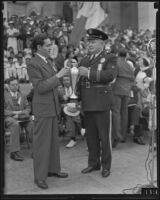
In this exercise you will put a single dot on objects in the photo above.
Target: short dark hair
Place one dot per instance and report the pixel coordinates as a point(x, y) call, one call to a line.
point(122, 52)
point(145, 62)
point(38, 40)
point(62, 47)
point(12, 78)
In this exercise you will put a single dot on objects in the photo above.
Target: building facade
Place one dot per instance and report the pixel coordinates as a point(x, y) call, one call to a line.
point(139, 15)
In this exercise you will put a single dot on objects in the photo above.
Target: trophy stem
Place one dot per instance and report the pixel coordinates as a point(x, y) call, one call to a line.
point(73, 96)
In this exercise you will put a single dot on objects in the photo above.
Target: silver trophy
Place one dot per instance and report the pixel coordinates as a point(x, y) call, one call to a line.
point(74, 78)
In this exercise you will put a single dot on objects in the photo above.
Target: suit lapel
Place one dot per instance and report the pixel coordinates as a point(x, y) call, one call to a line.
point(45, 65)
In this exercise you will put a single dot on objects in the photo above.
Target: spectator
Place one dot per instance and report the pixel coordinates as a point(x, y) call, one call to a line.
point(19, 66)
point(70, 61)
point(61, 57)
point(121, 90)
point(135, 117)
point(72, 121)
point(54, 49)
point(15, 105)
point(12, 34)
point(11, 67)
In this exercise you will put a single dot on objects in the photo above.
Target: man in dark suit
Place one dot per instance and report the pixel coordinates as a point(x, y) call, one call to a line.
point(45, 105)
point(97, 71)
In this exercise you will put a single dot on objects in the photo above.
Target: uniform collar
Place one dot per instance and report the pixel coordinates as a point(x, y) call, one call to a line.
point(97, 54)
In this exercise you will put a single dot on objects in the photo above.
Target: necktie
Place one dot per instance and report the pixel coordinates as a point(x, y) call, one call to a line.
point(51, 64)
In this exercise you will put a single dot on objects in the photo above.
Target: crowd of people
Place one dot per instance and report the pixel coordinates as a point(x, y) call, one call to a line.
point(20, 31)
point(128, 44)
point(115, 69)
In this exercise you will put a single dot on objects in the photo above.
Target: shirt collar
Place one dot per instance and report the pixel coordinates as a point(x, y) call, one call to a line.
point(42, 57)
point(14, 94)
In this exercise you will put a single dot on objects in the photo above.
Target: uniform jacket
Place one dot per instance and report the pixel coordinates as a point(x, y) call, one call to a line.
point(125, 78)
point(96, 92)
point(45, 99)
point(9, 107)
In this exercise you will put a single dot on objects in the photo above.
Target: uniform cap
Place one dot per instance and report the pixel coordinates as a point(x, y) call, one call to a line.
point(94, 34)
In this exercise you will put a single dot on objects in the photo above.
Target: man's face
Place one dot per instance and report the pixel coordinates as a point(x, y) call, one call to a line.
point(20, 60)
point(11, 26)
point(28, 61)
point(10, 61)
point(46, 48)
point(140, 62)
point(94, 46)
point(13, 86)
point(66, 81)
point(64, 50)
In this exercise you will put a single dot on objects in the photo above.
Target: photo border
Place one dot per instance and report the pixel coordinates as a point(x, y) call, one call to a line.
point(77, 196)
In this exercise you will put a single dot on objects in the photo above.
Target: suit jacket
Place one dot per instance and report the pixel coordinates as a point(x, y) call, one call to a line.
point(125, 78)
point(9, 107)
point(96, 92)
point(45, 99)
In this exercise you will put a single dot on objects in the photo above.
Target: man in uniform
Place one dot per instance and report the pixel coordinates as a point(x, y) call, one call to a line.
point(97, 70)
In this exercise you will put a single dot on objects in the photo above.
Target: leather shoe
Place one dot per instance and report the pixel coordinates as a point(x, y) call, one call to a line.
point(90, 169)
point(15, 156)
point(59, 175)
point(138, 140)
point(41, 184)
point(105, 173)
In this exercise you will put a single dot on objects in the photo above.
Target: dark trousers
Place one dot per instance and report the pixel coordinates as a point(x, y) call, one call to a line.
point(46, 147)
point(134, 119)
point(120, 116)
point(98, 134)
point(73, 125)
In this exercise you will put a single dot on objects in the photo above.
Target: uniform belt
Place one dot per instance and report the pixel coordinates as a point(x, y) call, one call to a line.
point(96, 85)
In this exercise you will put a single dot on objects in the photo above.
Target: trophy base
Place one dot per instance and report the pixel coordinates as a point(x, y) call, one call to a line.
point(73, 96)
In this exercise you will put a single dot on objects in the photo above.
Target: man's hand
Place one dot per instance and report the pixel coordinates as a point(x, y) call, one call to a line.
point(65, 97)
point(64, 71)
point(83, 71)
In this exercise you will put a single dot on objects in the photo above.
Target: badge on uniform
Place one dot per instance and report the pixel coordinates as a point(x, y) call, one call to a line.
point(102, 60)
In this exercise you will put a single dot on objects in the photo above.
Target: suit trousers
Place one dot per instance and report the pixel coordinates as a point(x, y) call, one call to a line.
point(46, 147)
point(120, 116)
point(98, 134)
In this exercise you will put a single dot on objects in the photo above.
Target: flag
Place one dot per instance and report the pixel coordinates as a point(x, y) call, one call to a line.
point(90, 15)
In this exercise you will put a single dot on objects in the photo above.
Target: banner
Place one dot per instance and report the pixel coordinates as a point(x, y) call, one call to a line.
point(90, 15)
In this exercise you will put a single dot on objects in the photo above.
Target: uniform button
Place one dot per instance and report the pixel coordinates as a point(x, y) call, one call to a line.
point(105, 91)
